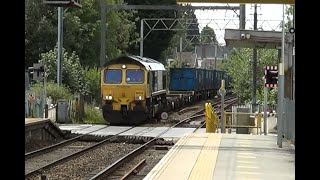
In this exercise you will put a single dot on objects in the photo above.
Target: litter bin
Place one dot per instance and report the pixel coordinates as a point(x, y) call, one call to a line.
point(62, 115)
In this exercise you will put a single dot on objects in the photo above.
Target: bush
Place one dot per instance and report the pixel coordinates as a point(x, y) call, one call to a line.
point(92, 115)
point(92, 76)
point(53, 90)
point(72, 75)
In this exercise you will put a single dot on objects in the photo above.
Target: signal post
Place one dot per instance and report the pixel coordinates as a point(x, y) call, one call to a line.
point(270, 81)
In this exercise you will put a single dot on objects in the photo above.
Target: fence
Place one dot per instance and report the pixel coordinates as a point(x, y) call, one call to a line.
point(33, 104)
point(76, 109)
point(243, 120)
point(34, 107)
point(52, 113)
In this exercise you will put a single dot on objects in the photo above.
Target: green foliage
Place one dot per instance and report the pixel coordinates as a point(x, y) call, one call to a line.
point(157, 41)
point(208, 35)
point(289, 14)
point(92, 115)
point(40, 29)
point(121, 31)
point(189, 37)
point(239, 66)
point(179, 64)
point(81, 31)
point(272, 97)
point(72, 74)
point(92, 76)
point(53, 90)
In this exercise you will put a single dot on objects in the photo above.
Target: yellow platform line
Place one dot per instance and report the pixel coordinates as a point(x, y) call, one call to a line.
point(158, 168)
point(182, 164)
point(204, 167)
point(178, 163)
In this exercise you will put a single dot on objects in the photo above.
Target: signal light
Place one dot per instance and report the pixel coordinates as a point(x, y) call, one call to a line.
point(271, 76)
point(37, 72)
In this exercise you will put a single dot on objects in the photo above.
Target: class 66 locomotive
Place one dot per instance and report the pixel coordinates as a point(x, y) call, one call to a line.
point(133, 89)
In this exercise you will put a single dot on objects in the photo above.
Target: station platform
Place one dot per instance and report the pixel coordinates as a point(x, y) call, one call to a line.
point(41, 129)
point(32, 121)
point(214, 156)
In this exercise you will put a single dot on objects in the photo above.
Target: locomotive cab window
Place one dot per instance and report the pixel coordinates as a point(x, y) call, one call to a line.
point(112, 76)
point(134, 76)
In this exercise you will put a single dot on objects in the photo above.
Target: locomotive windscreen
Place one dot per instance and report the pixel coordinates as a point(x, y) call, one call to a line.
point(112, 76)
point(134, 76)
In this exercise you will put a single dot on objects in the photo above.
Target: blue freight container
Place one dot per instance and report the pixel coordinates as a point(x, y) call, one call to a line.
point(184, 79)
point(194, 79)
point(218, 77)
point(201, 79)
point(207, 79)
point(211, 79)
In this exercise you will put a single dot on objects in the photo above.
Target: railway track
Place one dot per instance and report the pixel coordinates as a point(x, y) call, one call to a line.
point(130, 170)
point(45, 161)
point(56, 146)
point(115, 171)
point(40, 161)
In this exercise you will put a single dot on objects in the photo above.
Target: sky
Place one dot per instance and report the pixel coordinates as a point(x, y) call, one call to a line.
point(269, 18)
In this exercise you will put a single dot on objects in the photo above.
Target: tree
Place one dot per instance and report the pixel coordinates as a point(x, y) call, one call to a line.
point(189, 36)
point(81, 31)
point(289, 14)
point(238, 66)
point(193, 28)
point(92, 78)
point(179, 64)
point(40, 31)
point(208, 36)
point(72, 75)
point(157, 41)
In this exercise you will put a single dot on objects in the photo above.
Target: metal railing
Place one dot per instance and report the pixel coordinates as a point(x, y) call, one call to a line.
point(253, 121)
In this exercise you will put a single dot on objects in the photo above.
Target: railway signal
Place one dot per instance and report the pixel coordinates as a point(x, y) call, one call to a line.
point(37, 72)
point(270, 81)
point(271, 76)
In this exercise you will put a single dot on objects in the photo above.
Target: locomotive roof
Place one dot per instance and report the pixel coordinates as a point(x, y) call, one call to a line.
point(148, 63)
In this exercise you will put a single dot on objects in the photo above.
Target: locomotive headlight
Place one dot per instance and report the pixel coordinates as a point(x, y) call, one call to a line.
point(123, 66)
point(109, 97)
point(139, 97)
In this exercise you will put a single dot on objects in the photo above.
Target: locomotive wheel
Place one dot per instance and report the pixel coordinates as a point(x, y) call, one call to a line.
point(164, 115)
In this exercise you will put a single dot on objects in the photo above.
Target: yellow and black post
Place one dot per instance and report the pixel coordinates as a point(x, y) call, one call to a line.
point(211, 119)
